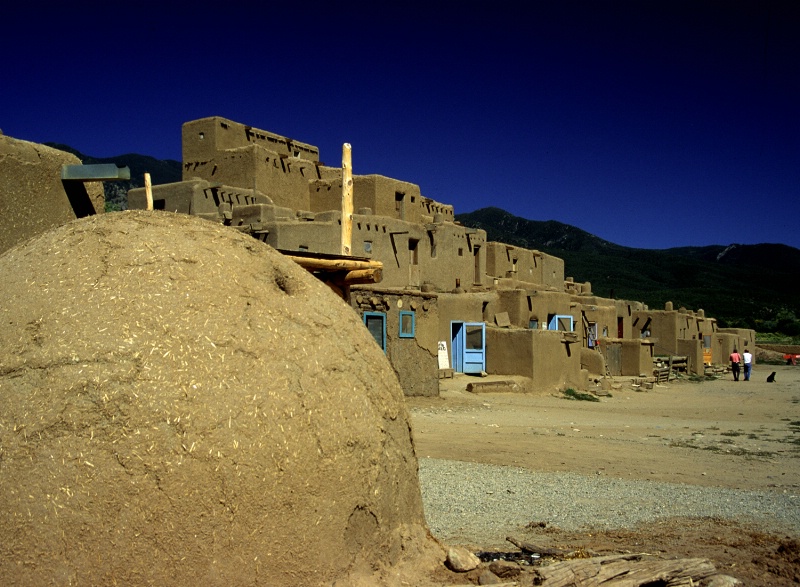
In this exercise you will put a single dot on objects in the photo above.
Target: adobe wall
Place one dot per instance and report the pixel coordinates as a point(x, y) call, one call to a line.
point(524, 265)
point(604, 315)
point(544, 303)
point(284, 180)
point(442, 255)
point(593, 361)
point(637, 357)
point(745, 337)
point(693, 325)
point(556, 363)
point(383, 196)
point(577, 288)
point(463, 307)
point(524, 305)
point(515, 303)
point(33, 199)
point(504, 260)
point(196, 197)
point(202, 139)
point(726, 339)
point(289, 172)
point(705, 326)
point(625, 311)
point(668, 327)
point(388, 197)
point(326, 194)
point(320, 234)
point(663, 328)
point(693, 351)
point(541, 356)
point(413, 358)
point(722, 346)
point(552, 271)
point(509, 351)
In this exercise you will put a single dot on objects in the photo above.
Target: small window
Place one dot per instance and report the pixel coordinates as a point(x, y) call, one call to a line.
point(376, 324)
point(533, 324)
point(560, 322)
point(367, 246)
point(474, 337)
point(407, 324)
point(413, 251)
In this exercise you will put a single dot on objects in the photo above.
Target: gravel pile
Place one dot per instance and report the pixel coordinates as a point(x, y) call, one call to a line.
point(472, 503)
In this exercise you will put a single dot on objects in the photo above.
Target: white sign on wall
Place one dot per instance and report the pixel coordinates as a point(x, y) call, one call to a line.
point(444, 361)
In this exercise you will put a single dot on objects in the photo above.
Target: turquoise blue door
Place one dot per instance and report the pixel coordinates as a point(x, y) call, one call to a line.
point(468, 344)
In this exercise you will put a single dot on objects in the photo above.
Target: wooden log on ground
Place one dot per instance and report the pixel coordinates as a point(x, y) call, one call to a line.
point(537, 548)
point(622, 572)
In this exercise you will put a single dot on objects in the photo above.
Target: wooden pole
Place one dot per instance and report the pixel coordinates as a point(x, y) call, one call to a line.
point(363, 276)
point(347, 200)
point(148, 191)
point(313, 264)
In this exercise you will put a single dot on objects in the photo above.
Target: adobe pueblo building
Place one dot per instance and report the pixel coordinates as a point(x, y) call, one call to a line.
point(436, 296)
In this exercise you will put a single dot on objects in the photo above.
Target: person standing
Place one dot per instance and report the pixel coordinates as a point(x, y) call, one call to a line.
point(736, 359)
point(747, 359)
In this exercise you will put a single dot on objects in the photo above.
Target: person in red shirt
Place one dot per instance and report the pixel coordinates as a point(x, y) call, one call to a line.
point(736, 359)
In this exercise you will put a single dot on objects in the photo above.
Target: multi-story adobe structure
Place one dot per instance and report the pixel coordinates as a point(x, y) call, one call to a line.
point(447, 299)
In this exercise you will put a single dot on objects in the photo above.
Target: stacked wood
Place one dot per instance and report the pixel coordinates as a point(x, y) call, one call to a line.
point(661, 374)
point(340, 273)
point(679, 363)
point(663, 367)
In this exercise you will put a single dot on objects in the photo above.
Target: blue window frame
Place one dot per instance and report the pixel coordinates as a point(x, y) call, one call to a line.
point(561, 322)
point(407, 324)
point(376, 324)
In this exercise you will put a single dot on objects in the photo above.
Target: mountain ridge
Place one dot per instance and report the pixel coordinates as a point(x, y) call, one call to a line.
point(748, 286)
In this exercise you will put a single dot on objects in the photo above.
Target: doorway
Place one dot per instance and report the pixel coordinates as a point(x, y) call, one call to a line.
point(468, 344)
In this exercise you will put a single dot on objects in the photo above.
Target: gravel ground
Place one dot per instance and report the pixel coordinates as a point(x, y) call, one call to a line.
point(477, 504)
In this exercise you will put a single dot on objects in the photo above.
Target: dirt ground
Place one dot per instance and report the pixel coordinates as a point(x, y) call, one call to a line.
point(717, 433)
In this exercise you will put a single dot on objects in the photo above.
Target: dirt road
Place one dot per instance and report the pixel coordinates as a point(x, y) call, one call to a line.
point(720, 433)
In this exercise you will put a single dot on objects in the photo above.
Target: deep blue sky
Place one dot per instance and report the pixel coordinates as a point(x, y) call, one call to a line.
point(650, 124)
